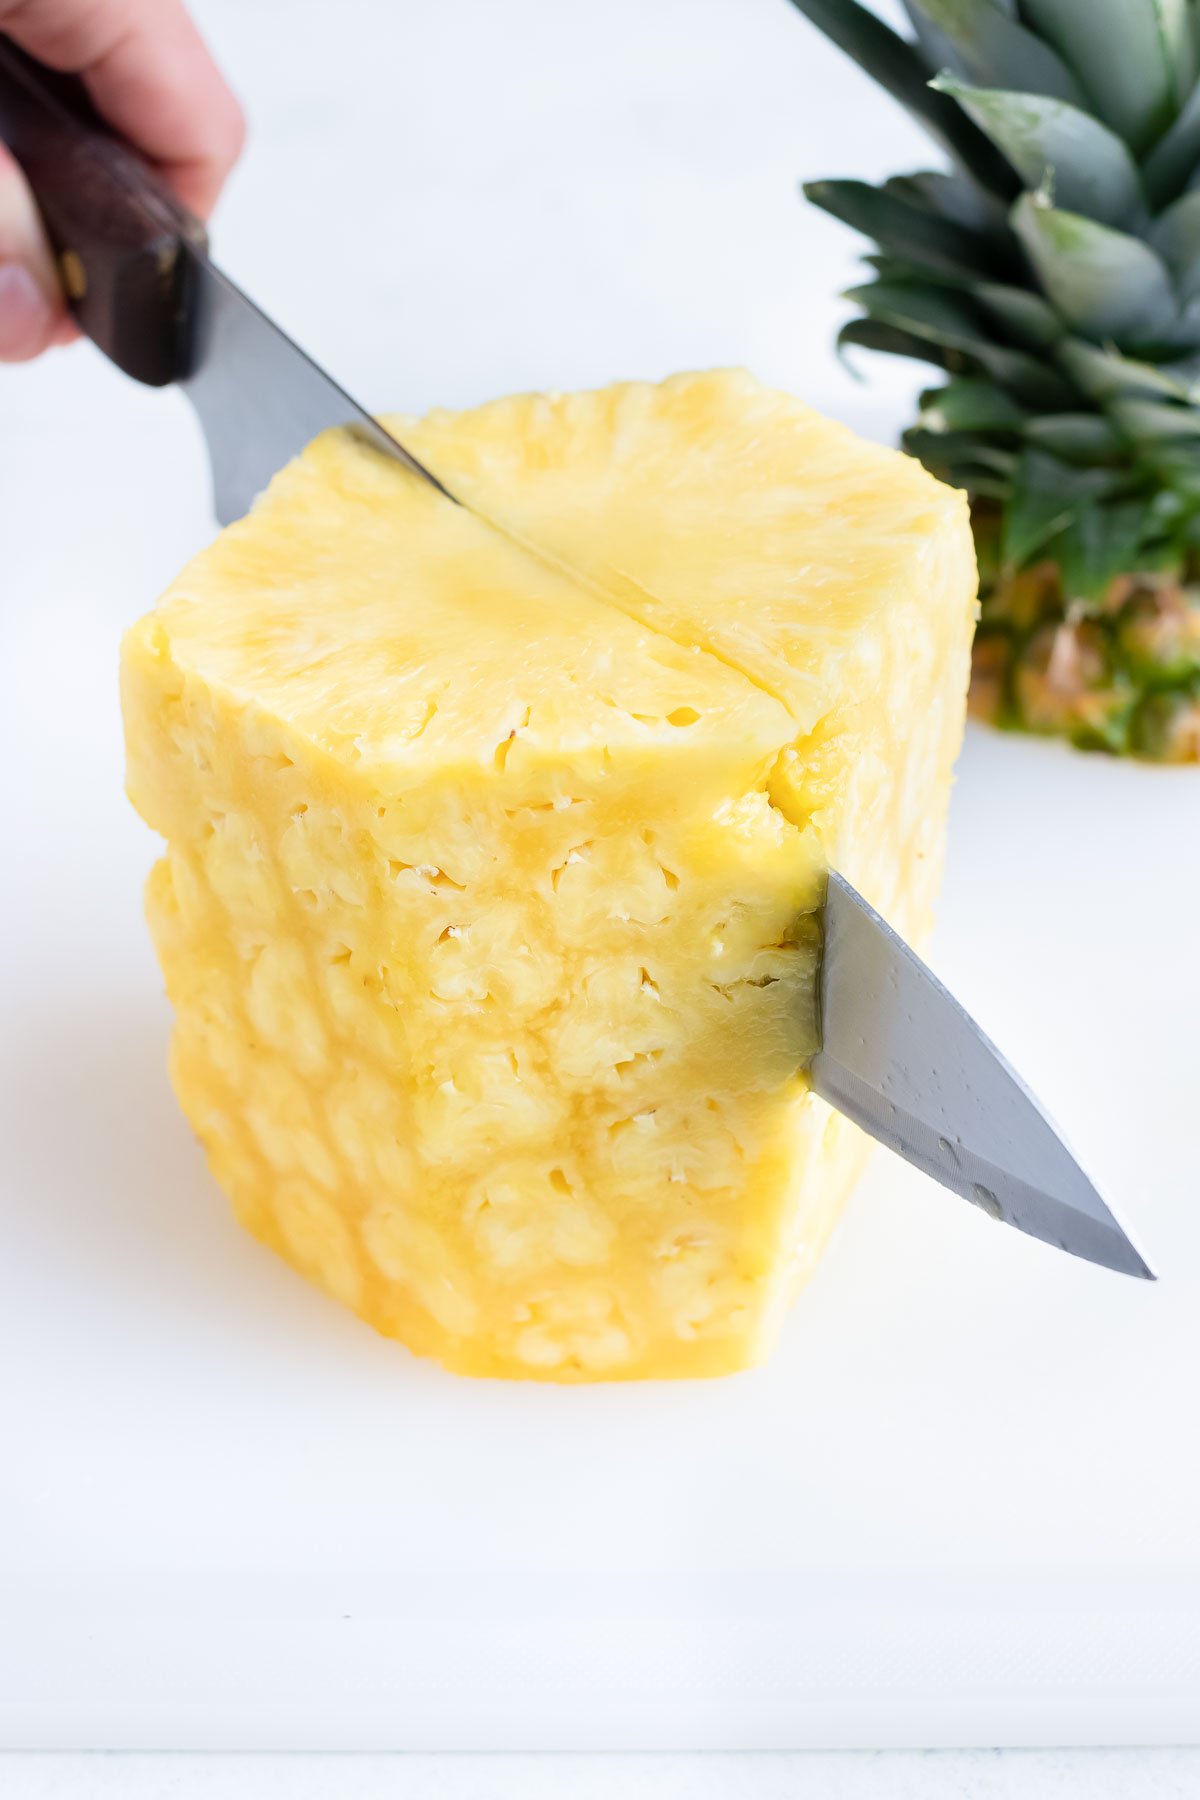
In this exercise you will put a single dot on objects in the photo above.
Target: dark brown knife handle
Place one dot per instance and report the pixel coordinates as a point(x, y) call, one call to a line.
point(124, 243)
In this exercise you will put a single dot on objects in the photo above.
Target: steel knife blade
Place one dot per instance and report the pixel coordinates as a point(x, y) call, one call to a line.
point(901, 1057)
point(260, 399)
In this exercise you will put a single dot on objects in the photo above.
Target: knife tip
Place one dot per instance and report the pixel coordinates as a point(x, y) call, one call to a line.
point(1128, 1261)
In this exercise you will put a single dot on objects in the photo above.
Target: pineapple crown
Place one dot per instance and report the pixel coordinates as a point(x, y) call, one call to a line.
point(1053, 272)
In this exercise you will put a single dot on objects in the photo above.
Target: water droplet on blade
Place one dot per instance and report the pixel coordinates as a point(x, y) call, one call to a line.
point(986, 1201)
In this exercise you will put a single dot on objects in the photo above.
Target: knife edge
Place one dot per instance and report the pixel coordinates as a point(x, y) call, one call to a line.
point(903, 1059)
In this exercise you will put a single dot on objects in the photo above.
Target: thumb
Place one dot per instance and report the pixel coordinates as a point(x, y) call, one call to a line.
point(31, 306)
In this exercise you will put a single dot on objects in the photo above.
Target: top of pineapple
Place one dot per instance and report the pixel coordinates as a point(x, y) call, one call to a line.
point(711, 558)
point(1053, 273)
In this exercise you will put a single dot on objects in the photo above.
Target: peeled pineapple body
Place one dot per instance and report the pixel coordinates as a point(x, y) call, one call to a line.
point(490, 907)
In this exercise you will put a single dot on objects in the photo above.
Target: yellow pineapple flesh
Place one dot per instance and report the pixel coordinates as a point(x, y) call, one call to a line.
point(496, 842)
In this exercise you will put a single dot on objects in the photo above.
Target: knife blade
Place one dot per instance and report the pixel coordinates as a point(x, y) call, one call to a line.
point(901, 1057)
point(260, 399)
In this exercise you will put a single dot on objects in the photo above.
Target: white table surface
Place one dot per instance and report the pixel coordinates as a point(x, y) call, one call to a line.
point(446, 202)
point(1168, 1774)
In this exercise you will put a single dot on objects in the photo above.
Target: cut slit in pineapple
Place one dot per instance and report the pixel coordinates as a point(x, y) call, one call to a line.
point(488, 909)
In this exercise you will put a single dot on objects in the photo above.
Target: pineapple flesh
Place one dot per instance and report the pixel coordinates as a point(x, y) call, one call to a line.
point(490, 908)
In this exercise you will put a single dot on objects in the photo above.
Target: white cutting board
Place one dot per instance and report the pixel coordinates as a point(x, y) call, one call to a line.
point(962, 1505)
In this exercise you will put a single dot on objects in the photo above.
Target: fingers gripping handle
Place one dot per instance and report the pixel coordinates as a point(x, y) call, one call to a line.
point(123, 243)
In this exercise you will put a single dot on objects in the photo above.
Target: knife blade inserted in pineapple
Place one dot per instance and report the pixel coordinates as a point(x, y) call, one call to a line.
point(901, 1057)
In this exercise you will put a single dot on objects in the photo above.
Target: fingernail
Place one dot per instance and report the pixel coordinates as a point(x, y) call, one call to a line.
point(26, 317)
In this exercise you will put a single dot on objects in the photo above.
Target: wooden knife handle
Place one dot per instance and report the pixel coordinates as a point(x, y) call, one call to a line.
point(124, 243)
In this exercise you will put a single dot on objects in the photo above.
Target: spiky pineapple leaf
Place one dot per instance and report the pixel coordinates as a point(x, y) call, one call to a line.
point(1104, 375)
point(921, 307)
point(1086, 439)
point(1029, 381)
point(938, 48)
point(956, 197)
point(946, 319)
point(996, 51)
point(910, 233)
point(899, 68)
point(1103, 282)
point(1156, 421)
point(1177, 466)
point(970, 403)
point(1181, 31)
point(1176, 236)
point(952, 450)
point(890, 268)
point(957, 466)
point(1031, 520)
point(1128, 56)
point(1023, 316)
point(1048, 142)
point(1169, 167)
point(1100, 543)
point(1046, 495)
point(876, 334)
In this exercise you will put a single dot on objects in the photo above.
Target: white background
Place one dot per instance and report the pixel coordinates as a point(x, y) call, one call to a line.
point(960, 1506)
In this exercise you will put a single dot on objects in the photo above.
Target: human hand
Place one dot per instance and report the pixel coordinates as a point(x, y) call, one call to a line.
point(150, 75)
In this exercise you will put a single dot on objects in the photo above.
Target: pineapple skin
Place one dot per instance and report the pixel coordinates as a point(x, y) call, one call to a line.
point(490, 906)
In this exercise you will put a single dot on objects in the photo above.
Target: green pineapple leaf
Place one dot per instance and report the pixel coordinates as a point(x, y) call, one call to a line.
point(1135, 59)
point(1051, 144)
point(898, 67)
point(1176, 236)
point(1100, 543)
point(1046, 495)
point(970, 403)
point(1172, 162)
point(890, 268)
point(1177, 466)
point(1104, 283)
point(1155, 421)
point(1103, 375)
point(956, 448)
point(994, 50)
point(876, 334)
point(1085, 439)
point(904, 231)
point(942, 318)
point(1023, 317)
point(984, 471)
point(956, 197)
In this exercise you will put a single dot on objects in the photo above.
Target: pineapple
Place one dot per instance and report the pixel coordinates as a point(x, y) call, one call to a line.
point(490, 909)
point(1054, 276)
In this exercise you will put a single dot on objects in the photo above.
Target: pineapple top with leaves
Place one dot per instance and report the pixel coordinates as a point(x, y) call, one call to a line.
point(1053, 273)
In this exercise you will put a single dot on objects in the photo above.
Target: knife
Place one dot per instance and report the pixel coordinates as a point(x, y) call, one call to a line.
point(899, 1056)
